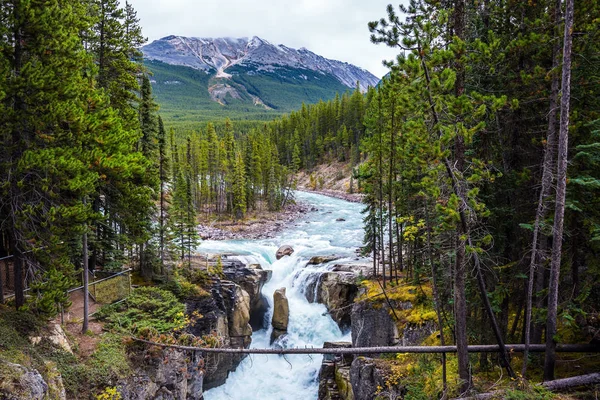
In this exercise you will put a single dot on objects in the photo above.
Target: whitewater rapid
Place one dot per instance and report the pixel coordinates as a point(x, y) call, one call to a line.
point(294, 377)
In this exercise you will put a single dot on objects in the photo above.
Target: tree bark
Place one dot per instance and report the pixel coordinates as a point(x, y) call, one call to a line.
point(561, 191)
point(542, 207)
point(86, 289)
point(460, 297)
point(391, 191)
point(436, 299)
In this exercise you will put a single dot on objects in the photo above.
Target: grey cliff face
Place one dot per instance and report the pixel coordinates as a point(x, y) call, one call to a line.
point(218, 54)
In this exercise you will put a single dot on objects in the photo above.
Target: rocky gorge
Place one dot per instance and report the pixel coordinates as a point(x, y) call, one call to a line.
point(305, 287)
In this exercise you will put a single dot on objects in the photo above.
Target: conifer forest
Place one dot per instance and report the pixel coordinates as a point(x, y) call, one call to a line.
point(476, 162)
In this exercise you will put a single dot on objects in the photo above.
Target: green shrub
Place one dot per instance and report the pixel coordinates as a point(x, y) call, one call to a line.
point(109, 362)
point(146, 307)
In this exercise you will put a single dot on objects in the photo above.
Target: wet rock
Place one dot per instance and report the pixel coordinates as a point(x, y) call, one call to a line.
point(373, 326)
point(225, 315)
point(281, 314)
point(337, 290)
point(316, 260)
point(340, 220)
point(334, 375)
point(361, 270)
point(367, 377)
point(252, 278)
point(285, 250)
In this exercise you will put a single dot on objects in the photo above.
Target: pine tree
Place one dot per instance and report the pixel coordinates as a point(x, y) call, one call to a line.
point(239, 188)
point(47, 133)
point(163, 174)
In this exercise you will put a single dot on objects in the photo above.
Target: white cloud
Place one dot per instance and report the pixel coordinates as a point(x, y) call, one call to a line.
point(335, 29)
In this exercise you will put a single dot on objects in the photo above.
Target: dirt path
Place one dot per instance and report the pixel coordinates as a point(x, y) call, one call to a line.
point(75, 312)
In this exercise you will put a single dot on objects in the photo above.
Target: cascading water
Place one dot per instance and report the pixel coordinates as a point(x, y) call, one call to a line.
point(293, 377)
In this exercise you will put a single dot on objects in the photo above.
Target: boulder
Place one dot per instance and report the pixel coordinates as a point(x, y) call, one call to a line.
point(285, 250)
point(281, 314)
point(361, 270)
point(413, 335)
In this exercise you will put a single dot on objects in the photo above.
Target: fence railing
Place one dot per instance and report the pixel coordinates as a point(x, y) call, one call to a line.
point(107, 290)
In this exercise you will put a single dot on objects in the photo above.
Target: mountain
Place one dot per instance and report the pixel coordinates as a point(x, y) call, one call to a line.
point(206, 78)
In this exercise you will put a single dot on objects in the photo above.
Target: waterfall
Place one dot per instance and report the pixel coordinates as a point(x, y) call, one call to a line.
point(318, 233)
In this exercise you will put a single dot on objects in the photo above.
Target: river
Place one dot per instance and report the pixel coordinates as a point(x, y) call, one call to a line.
point(294, 377)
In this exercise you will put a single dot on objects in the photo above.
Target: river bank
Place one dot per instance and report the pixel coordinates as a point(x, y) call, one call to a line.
point(256, 225)
point(267, 224)
point(338, 194)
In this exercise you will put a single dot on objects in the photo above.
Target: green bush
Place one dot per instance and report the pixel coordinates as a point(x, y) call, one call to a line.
point(146, 307)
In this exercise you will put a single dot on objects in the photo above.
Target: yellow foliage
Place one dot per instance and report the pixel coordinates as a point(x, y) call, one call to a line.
point(110, 393)
point(420, 314)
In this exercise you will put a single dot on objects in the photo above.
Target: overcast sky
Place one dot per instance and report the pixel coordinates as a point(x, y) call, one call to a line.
point(335, 29)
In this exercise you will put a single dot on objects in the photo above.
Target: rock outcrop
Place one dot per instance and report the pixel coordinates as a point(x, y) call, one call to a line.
point(359, 269)
point(225, 317)
point(169, 374)
point(369, 380)
point(413, 335)
point(281, 314)
point(251, 278)
point(20, 383)
point(56, 336)
point(334, 375)
point(336, 290)
point(372, 325)
point(285, 250)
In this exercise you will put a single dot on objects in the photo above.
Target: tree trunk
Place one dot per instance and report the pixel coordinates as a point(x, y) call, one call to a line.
point(436, 298)
point(460, 297)
point(86, 293)
point(380, 178)
point(391, 193)
point(542, 207)
point(561, 192)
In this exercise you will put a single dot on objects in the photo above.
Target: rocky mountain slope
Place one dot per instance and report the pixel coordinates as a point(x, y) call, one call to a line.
point(220, 54)
point(243, 75)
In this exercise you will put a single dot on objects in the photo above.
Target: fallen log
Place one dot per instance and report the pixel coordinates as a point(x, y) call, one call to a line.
point(556, 385)
point(517, 348)
point(575, 381)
